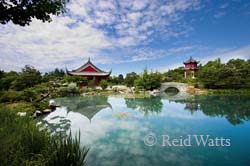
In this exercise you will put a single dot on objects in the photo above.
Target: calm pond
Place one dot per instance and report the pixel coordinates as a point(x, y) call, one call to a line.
point(202, 130)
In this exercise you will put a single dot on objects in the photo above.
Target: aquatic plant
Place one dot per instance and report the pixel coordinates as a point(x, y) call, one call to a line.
point(24, 143)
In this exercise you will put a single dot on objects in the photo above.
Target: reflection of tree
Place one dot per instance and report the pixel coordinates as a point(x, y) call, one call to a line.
point(236, 109)
point(145, 105)
point(88, 106)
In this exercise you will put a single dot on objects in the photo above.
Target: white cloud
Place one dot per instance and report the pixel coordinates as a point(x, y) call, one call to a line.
point(77, 8)
point(181, 49)
point(227, 54)
point(90, 26)
point(45, 45)
point(131, 19)
point(140, 4)
point(147, 54)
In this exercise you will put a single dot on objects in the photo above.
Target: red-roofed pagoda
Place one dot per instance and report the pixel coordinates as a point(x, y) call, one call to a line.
point(91, 72)
point(190, 67)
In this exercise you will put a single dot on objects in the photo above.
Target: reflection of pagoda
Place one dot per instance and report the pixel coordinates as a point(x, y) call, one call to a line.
point(192, 107)
point(190, 67)
point(90, 111)
point(87, 106)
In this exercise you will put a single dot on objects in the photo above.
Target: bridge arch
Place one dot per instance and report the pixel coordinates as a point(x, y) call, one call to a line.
point(172, 91)
point(182, 87)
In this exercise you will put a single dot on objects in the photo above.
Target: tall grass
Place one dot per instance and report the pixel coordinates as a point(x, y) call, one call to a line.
point(66, 151)
point(23, 143)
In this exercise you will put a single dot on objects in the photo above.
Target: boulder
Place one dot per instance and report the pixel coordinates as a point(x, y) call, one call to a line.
point(46, 111)
point(38, 112)
point(52, 103)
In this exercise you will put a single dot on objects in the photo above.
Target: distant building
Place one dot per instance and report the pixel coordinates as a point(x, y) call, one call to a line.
point(91, 72)
point(190, 67)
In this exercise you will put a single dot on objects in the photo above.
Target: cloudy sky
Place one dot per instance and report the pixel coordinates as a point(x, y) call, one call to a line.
point(129, 35)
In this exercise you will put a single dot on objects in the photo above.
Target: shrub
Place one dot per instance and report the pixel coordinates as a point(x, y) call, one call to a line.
point(20, 107)
point(72, 89)
point(104, 84)
point(149, 81)
point(11, 96)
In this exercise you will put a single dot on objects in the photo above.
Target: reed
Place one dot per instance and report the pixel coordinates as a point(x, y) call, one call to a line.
point(24, 143)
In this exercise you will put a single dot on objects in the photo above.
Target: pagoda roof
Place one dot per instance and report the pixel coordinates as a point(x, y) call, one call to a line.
point(88, 69)
point(89, 73)
point(191, 60)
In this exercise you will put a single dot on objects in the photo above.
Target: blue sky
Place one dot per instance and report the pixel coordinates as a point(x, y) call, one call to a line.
point(129, 35)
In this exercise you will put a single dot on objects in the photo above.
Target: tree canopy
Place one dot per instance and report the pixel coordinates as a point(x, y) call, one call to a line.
point(234, 74)
point(21, 12)
point(148, 81)
point(130, 79)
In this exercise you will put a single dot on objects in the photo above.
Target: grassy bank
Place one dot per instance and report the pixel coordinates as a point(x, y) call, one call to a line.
point(23, 143)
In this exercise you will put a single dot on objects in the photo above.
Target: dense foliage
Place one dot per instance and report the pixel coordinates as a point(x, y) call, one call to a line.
point(116, 80)
point(76, 79)
point(104, 84)
point(235, 74)
point(130, 79)
point(22, 12)
point(174, 75)
point(148, 81)
point(55, 75)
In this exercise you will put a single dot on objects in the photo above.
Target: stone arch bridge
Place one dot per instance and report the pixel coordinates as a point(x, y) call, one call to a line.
point(182, 87)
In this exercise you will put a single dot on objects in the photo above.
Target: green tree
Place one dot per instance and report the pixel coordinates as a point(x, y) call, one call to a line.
point(234, 74)
point(1, 74)
point(174, 75)
point(120, 79)
point(113, 80)
point(55, 75)
point(76, 79)
point(7, 79)
point(27, 78)
point(104, 84)
point(209, 74)
point(130, 79)
point(22, 12)
point(148, 81)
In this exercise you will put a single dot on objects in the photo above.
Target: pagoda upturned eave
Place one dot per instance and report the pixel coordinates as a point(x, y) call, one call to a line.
point(191, 60)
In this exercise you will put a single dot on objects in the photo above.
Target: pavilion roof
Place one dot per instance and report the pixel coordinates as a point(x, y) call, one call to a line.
point(89, 73)
point(191, 60)
point(96, 71)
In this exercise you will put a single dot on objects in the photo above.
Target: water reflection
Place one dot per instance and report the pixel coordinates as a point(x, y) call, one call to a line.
point(236, 109)
point(87, 106)
point(145, 105)
point(119, 141)
point(57, 123)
